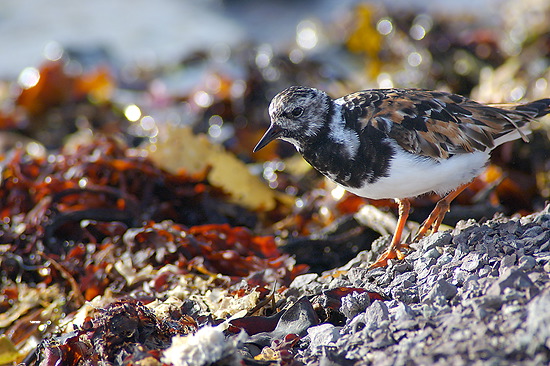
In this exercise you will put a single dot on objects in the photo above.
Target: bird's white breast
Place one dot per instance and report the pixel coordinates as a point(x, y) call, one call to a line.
point(411, 175)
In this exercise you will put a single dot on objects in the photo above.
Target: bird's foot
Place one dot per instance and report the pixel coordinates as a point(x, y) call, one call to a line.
point(393, 252)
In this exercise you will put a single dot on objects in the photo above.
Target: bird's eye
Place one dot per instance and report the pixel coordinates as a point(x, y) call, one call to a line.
point(297, 112)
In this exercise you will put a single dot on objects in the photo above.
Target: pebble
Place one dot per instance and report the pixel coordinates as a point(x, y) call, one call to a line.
point(527, 262)
point(477, 295)
point(507, 261)
point(432, 253)
point(511, 277)
point(375, 314)
point(471, 262)
point(354, 304)
point(322, 335)
point(538, 240)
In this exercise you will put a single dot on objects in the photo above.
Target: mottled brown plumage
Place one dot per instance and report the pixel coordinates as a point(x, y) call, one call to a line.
point(435, 124)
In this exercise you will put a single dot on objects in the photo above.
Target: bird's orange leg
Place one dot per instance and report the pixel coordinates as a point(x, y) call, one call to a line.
point(394, 251)
point(436, 217)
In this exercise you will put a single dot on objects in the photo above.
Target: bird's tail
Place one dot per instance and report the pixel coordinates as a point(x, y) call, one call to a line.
point(535, 109)
point(519, 117)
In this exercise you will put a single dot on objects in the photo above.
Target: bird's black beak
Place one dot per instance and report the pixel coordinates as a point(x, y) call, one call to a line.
point(271, 134)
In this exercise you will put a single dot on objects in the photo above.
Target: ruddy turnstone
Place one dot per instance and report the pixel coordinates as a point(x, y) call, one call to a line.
point(397, 143)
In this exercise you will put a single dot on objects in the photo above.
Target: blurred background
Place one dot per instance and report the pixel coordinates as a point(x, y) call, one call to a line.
point(493, 50)
point(164, 31)
point(133, 69)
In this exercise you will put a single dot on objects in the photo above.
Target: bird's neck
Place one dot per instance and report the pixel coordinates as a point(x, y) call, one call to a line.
point(346, 154)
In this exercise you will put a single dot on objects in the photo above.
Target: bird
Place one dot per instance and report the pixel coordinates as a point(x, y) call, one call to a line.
point(397, 143)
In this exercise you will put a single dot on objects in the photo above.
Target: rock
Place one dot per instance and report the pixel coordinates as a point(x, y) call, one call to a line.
point(354, 304)
point(539, 240)
point(444, 259)
point(482, 298)
point(322, 335)
point(537, 325)
point(306, 282)
point(376, 313)
point(381, 338)
point(442, 289)
point(432, 253)
point(472, 261)
point(532, 232)
point(526, 262)
point(507, 262)
point(370, 320)
point(512, 278)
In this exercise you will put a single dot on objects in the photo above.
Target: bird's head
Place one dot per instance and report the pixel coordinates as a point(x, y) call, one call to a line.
point(297, 113)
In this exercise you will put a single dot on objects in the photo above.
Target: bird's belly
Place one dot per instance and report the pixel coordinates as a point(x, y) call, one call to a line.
point(411, 175)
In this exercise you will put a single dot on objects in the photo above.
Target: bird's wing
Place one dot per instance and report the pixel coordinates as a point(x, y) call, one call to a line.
point(431, 123)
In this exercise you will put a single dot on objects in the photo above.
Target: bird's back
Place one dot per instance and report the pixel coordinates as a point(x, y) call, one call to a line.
point(439, 124)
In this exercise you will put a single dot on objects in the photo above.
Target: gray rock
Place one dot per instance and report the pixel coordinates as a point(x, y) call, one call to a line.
point(432, 253)
point(537, 325)
point(406, 295)
point(507, 262)
point(442, 289)
point(439, 239)
point(371, 319)
point(403, 312)
point(444, 259)
point(400, 279)
point(375, 314)
point(460, 275)
point(545, 247)
point(303, 281)
point(532, 232)
point(354, 303)
point(322, 335)
point(381, 338)
point(539, 240)
point(512, 278)
point(485, 271)
point(480, 299)
point(526, 262)
point(472, 261)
